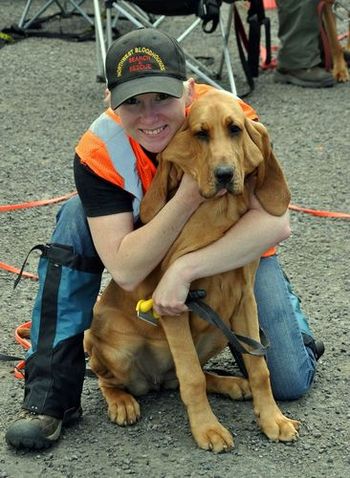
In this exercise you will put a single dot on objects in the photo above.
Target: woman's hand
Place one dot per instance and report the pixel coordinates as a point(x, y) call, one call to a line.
point(188, 191)
point(171, 293)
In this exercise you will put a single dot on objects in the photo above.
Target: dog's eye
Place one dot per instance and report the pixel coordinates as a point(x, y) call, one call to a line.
point(233, 129)
point(203, 135)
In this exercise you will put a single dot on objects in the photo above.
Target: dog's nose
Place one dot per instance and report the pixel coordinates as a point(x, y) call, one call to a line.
point(223, 174)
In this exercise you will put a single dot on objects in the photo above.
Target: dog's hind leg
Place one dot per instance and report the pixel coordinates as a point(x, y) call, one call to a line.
point(206, 429)
point(112, 370)
point(237, 388)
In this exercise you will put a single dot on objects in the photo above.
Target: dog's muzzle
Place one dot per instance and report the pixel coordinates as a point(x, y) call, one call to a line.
point(224, 177)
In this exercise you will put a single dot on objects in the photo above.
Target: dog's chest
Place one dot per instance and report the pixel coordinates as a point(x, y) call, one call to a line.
point(153, 368)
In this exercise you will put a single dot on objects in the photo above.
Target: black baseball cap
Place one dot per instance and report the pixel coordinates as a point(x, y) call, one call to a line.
point(145, 60)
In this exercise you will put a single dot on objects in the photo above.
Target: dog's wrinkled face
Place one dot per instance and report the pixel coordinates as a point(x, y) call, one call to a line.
point(219, 147)
point(213, 145)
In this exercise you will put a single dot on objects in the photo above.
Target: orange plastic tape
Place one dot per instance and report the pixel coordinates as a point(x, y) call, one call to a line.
point(44, 202)
point(19, 369)
point(269, 4)
point(7, 267)
point(22, 334)
point(315, 212)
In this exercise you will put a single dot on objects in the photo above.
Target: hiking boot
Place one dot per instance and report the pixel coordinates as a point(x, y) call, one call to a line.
point(315, 77)
point(317, 346)
point(35, 432)
point(319, 349)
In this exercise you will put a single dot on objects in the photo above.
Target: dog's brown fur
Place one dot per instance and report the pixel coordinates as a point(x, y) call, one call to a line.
point(340, 69)
point(131, 357)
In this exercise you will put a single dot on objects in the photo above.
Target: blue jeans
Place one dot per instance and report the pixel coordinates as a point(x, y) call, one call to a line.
point(70, 274)
point(291, 364)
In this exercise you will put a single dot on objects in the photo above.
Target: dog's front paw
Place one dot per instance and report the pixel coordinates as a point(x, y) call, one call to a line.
point(277, 427)
point(124, 410)
point(213, 437)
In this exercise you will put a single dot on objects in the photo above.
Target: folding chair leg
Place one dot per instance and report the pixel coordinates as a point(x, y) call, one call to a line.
point(201, 71)
point(131, 19)
point(202, 75)
point(100, 42)
point(81, 11)
point(26, 24)
point(227, 35)
point(24, 14)
point(134, 13)
point(226, 54)
point(109, 30)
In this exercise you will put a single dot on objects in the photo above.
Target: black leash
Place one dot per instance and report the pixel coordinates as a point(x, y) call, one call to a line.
point(6, 357)
point(39, 247)
point(195, 303)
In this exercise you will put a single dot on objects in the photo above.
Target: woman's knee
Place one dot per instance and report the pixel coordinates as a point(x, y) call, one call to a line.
point(72, 211)
point(293, 384)
point(72, 228)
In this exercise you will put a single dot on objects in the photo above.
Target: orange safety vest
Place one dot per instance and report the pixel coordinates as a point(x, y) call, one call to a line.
point(116, 157)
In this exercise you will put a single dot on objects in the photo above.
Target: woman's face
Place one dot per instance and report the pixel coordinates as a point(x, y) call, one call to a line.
point(152, 119)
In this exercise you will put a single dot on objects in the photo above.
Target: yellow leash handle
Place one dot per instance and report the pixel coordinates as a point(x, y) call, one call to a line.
point(144, 306)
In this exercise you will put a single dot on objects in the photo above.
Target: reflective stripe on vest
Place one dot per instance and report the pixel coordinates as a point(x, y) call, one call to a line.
point(106, 150)
point(122, 156)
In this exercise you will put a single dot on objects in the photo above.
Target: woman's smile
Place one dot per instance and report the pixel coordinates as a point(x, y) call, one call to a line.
point(153, 132)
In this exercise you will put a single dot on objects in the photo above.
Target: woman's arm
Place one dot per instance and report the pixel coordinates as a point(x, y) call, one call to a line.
point(130, 255)
point(246, 241)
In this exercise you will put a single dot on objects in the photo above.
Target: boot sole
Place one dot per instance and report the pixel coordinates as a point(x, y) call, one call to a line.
point(293, 80)
point(21, 436)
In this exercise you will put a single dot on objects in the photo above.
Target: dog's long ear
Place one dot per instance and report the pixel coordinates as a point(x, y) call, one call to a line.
point(271, 187)
point(171, 165)
point(164, 182)
point(182, 149)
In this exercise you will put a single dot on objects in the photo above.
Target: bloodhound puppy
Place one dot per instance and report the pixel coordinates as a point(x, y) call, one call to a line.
point(220, 147)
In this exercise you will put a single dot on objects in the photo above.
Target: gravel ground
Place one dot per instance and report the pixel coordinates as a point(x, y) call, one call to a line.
point(48, 98)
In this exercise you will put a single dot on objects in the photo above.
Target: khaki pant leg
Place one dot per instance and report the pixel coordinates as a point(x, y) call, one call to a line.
point(298, 34)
